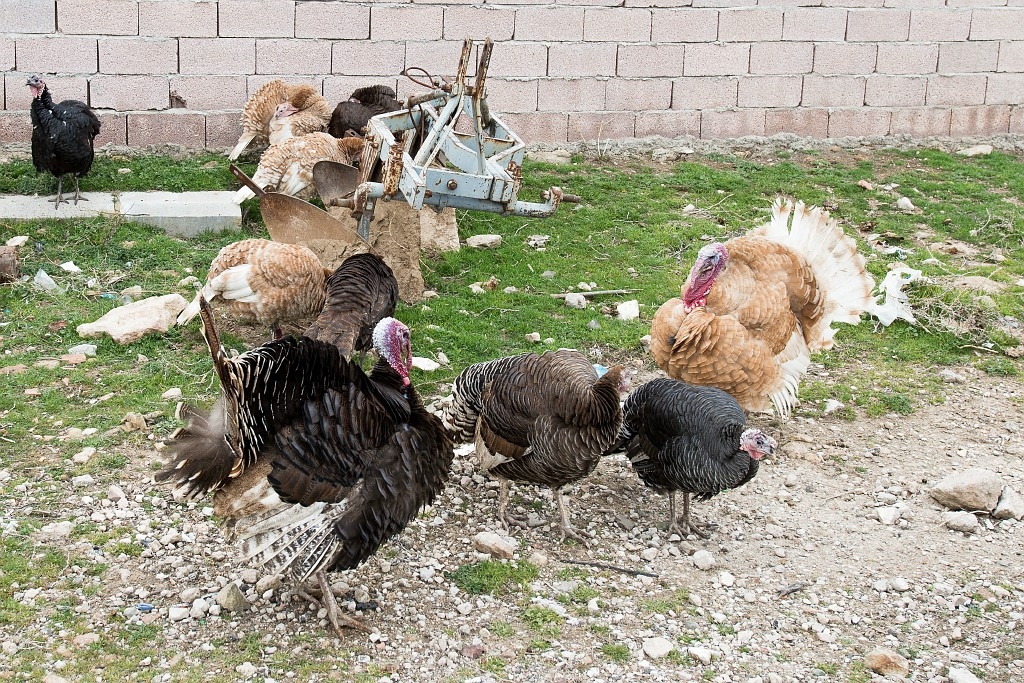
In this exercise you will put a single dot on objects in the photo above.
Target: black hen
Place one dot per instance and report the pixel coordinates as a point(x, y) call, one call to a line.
point(351, 116)
point(315, 464)
point(360, 292)
point(681, 437)
point(62, 136)
point(543, 419)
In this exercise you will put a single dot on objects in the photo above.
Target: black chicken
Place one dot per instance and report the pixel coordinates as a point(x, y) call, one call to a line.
point(681, 437)
point(314, 463)
point(62, 136)
point(351, 116)
point(543, 419)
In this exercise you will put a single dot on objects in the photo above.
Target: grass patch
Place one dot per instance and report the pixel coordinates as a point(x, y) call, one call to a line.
point(665, 603)
point(543, 621)
point(617, 652)
point(493, 577)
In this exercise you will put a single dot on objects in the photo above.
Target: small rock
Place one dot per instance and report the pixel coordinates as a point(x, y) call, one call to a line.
point(592, 325)
point(533, 337)
point(961, 521)
point(58, 529)
point(115, 493)
point(17, 241)
point(128, 323)
point(246, 669)
point(548, 274)
point(703, 560)
point(555, 156)
point(54, 678)
point(494, 545)
point(427, 574)
point(628, 310)
point(484, 241)
point(959, 675)
point(886, 662)
point(81, 480)
point(593, 606)
point(477, 289)
point(84, 349)
point(649, 554)
point(189, 594)
point(510, 289)
point(177, 613)
point(975, 151)
point(82, 456)
point(899, 584)
point(86, 639)
point(249, 576)
point(464, 608)
point(273, 582)
point(904, 204)
point(951, 376)
point(231, 598)
point(190, 281)
point(972, 489)
point(1010, 505)
point(425, 364)
point(881, 585)
point(656, 648)
point(645, 343)
point(701, 654)
point(575, 300)
point(48, 363)
point(172, 394)
point(832, 405)
point(538, 558)
point(73, 358)
point(888, 515)
point(726, 579)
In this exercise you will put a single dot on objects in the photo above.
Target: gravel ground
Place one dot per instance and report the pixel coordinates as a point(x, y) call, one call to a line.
point(952, 603)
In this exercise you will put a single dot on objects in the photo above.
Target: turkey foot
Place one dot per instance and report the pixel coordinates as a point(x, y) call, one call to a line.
point(60, 197)
point(507, 520)
point(684, 526)
point(78, 195)
point(566, 527)
point(334, 614)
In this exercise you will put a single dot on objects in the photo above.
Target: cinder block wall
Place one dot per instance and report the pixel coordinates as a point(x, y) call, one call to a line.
point(179, 71)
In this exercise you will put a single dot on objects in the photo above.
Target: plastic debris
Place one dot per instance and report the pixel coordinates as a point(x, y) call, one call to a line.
point(45, 281)
point(892, 302)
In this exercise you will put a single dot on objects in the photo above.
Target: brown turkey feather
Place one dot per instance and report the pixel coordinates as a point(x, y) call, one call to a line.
point(313, 115)
point(287, 167)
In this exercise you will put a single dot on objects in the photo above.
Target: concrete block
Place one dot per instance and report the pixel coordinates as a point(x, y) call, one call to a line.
point(684, 26)
point(717, 59)
point(1017, 120)
point(256, 18)
point(554, 23)
point(749, 25)
point(997, 24)
point(222, 129)
point(129, 93)
point(597, 126)
point(178, 18)
point(781, 58)
point(479, 22)
point(1011, 56)
point(357, 58)
point(185, 214)
point(969, 57)
point(110, 17)
point(577, 94)
point(442, 53)
point(986, 120)
point(638, 94)
point(202, 93)
point(668, 124)
point(187, 129)
point(858, 122)
point(334, 20)
point(539, 126)
point(895, 91)
point(290, 56)
point(907, 58)
point(877, 25)
point(812, 123)
point(519, 59)
point(570, 60)
point(704, 92)
point(56, 54)
point(7, 54)
point(253, 83)
point(406, 22)
point(216, 55)
point(61, 88)
point(28, 16)
point(813, 23)
point(844, 58)
point(617, 24)
point(732, 123)
point(920, 122)
point(833, 91)
point(655, 3)
point(935, 25)
point(720, 3)
point(508, 96)
point(138, 56)
point(1005, 89)
point(641, 61)
point(960, 90)
point(338, 88)
point(770, 91)
point(113, 129)
point(15, 126)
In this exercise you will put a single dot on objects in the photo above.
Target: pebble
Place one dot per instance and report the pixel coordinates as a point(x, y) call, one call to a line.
point(887, 662)
point(701, 654)
point(82, 456)
point(83, 349)
point(904, 204)
point(246, 669)
point(703, 560)
point(86, 639)
point(538, 558)
point(177, 613)
point(484, 241)
point(231, 598)
point(899, 584)
point(960, 675)
point(464, 608)
point(82, 480)
point(726, 579)
point(961, 521)
point(575, 300)
point(951, 376)
point(533, 337)
point(888, 515)
point(494, 545)
point(172, 394)
point(656, 648)
point(649, 554)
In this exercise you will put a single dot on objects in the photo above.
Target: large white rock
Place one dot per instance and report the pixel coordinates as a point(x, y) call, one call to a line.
point(701, 654)
point(132, 321)
point(886, 662)
point(484, 241)
point(965, 522)
point(1010, 506)
point(628, 310)
point(656, 648)
point(958, 675)
point(973, 489)
point(494, 545)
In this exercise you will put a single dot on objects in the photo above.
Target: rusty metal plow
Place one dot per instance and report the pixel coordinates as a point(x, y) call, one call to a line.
point(479, 170)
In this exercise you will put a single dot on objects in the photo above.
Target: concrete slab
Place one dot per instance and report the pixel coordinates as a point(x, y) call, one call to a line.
point(177, 213)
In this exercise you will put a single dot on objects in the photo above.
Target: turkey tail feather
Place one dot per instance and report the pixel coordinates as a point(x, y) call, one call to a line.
point(202, 457)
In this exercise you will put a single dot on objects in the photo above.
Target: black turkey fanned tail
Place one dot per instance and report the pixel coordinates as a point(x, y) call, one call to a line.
point(202, 458)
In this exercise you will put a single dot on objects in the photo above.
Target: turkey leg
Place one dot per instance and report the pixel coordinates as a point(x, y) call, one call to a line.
point(687, 527)
point(60, 197)
point(507, 520)
point(563, 514)
point(334, 613)
point(78, 195)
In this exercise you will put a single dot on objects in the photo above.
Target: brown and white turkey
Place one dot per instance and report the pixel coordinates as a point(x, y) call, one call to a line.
point(287, 167)
point(540, 419)
point(314, 463)
point(681, 437)
point(311, 113)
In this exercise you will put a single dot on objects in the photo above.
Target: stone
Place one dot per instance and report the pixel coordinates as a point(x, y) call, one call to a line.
point(628, 310)
point(726, 579)
point(178, 613)
point(899, 584)
point(703, 560)
point(656, 648)
point(975, 151)
point(17, 241)
point(887, 662)
point(494, 545)
point(972, 489)
point(575, 300)
point(425, 364)
point(464, 608)
point(649, 554)
point(1010, 505)
point(964, 522)
point(231, 598)
point(484, 241)
point(439, 232)
point(951, 376)
point(128, 323)
point(58, 529)
point(273, 582)
point(701, 654)
point(84, 349)
point(960, 675)
point(538, 558)
point(888, 514)
point(82, 456)
point(246, 669)
point(533, 337)
point(54, 678)
point(86, 639)
point(189, 594)
point(81, 480)
point(115, 493)
point(554, 156)
point(905, 205)
point(172, 394)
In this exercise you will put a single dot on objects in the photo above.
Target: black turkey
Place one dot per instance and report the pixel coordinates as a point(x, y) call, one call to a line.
point(315, 464)
point(351, 116)
point(543, 419)
point(360, 292)
point(681, 437)
point(62, 137)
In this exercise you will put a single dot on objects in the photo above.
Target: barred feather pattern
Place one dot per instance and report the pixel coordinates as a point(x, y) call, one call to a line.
point(680, 437)
point(360, 292)
point(460, 414)
point(314, 112)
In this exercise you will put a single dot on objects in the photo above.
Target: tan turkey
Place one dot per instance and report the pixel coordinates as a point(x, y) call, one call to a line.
point(308, 112)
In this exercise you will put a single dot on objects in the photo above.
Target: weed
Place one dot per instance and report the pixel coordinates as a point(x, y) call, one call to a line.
point(502, 629)
point(829, 668)
point(617, 652)
point(493, 577)
point(494, 665)
point(1001, 367)
point(541, 620)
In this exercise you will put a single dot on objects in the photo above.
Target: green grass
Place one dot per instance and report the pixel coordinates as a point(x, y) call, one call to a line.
point(543, 621)
point(617, 652)
point(493, 577)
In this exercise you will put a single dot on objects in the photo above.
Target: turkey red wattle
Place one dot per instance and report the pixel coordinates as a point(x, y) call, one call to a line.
point(710, 261)
point(36, 85)
point(757, 444)
point(391, 339)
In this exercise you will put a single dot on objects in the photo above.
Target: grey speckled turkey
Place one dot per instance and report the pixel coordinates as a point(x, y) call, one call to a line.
point(315, 464)
point(543, 419)
point(681, 437)
point(360, 292)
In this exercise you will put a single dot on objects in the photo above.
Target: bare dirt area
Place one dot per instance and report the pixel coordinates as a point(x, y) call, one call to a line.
point(951, 603)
